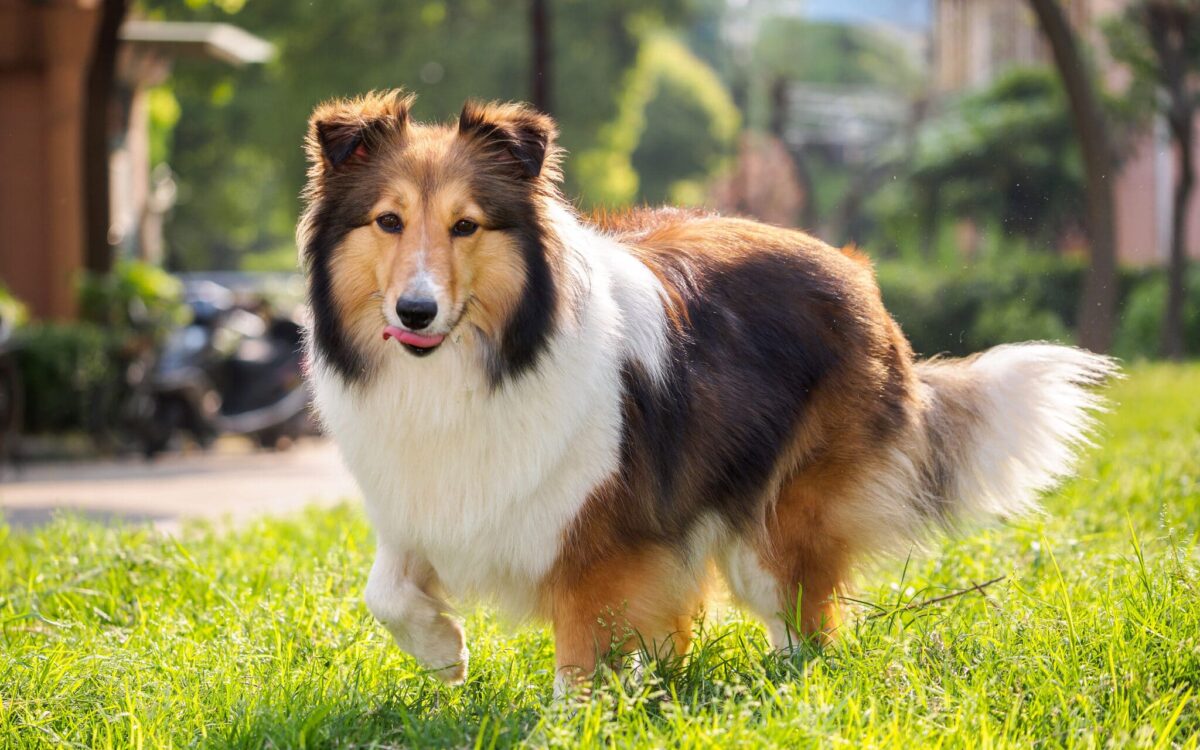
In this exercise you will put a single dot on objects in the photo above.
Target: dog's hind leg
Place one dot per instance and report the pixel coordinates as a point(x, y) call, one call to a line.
point(618, 605)
point(403, 594)
point(791, 573)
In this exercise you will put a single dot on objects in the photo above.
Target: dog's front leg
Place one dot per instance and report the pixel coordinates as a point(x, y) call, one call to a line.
point(402, 593)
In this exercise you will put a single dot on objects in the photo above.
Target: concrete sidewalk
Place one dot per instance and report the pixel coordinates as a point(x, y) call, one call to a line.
point(231, 482)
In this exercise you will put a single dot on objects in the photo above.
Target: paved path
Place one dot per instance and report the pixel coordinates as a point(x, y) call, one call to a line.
point(231, 482)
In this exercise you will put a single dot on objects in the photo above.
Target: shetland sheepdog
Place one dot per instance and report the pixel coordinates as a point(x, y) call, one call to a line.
point(585, 419)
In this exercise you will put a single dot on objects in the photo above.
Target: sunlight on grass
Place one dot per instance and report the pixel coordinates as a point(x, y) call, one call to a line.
point(117, 637)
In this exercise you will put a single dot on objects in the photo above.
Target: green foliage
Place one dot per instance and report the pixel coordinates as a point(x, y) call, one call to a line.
point(163, 111)
point(959, 308)
point(1005, 155)
point(675, 125)
point(1018, 320)
point(831, 54)
point(1140, 329)
point(1130, 44)
point(64, 366)
point(257, 637)
point(236, 146)
point(824, 54)
point(72, 372)
point(13, 311)
point(283, 258)
point(134, 295)
point(1137, 103)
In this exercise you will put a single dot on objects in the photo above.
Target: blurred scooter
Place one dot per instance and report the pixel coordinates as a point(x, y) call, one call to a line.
point(230, 371)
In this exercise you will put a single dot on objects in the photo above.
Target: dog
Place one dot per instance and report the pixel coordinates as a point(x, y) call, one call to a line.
point(580, 420)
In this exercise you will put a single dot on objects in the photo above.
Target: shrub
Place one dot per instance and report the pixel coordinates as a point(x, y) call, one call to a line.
point(134, 295)
point(12, 311)
point(961, 309)
point(674, 128)
point(64, 367)
point(1017, 320)
point(73, 373)
point(1005, 155)
point(1139, 333)
point(965, 308)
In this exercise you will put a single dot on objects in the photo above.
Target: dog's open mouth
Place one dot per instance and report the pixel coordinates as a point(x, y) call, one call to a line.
point(415, 343)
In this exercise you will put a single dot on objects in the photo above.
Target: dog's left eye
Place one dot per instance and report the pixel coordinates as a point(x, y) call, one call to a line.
point(463, 228)
point(390, 223)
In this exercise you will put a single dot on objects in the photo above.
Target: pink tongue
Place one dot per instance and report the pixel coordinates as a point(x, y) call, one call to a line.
point(410, 338)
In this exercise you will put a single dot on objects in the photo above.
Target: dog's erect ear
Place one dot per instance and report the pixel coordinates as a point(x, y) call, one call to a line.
point(518, 134)
point(339, 140)
point(349, 129)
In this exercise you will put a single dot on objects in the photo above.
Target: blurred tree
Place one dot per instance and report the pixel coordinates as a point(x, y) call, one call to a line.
point(236, 145)
point(541, 73)
point(1005, 155)
point(674, 127)
point(1098, 303)
point(793, 51)
point(832, 54)
point(762, 182)
point(801, 174)
point(98, 102)
point(1160, 42)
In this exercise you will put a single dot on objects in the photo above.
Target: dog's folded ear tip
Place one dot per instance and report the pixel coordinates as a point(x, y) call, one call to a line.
point(340, 129)
point(526, 134)
point(339, 141)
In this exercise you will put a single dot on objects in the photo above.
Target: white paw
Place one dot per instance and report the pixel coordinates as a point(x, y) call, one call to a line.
point(570, 683)
point(417, 621)
point(439, 646)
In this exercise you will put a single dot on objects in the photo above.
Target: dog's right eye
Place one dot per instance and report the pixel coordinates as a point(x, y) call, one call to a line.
point(390, 223)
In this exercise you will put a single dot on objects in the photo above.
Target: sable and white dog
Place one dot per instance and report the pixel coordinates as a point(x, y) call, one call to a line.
point(577, 418)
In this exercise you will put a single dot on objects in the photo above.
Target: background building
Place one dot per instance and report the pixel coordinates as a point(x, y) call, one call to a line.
point(46, 49)
point(976, 40)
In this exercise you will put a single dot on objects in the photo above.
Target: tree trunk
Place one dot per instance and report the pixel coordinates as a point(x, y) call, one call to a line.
point(808, 186)
point(1097, 309)
point(1172, 335)
point(101, 74)
point(540, 37)
point(1168, 26)
point(929, 211)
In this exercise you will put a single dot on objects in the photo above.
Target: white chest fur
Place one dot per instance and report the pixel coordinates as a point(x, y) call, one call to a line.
point(483, 483)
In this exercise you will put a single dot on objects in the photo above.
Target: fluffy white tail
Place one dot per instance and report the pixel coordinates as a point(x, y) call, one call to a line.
point(1003, 426)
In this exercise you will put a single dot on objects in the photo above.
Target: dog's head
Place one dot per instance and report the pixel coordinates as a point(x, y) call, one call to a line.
point(413, 233)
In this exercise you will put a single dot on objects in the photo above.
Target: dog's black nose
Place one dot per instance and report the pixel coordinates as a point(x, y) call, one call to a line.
point(416, 313)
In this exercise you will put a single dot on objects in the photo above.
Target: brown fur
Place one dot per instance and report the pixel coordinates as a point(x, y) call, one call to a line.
point(784, 410)
point(369, 159)
point(620, 571)
point(799, 538)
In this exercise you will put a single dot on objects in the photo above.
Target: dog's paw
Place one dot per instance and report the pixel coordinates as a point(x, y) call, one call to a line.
point(454, 674)
point(441, 648)
point(571, 684)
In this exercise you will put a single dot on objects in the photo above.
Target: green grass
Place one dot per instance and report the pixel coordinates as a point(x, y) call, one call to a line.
point(117, 637)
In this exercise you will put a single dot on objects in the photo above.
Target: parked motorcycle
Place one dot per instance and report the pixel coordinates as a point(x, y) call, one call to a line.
point(232, 370)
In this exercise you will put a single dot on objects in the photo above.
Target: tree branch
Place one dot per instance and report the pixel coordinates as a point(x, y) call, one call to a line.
point(913, 606)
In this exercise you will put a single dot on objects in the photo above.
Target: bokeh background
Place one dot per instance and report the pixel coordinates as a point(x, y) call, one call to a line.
point(1016, 170)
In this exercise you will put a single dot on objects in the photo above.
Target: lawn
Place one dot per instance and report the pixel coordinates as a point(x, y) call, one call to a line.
point(118, 637)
